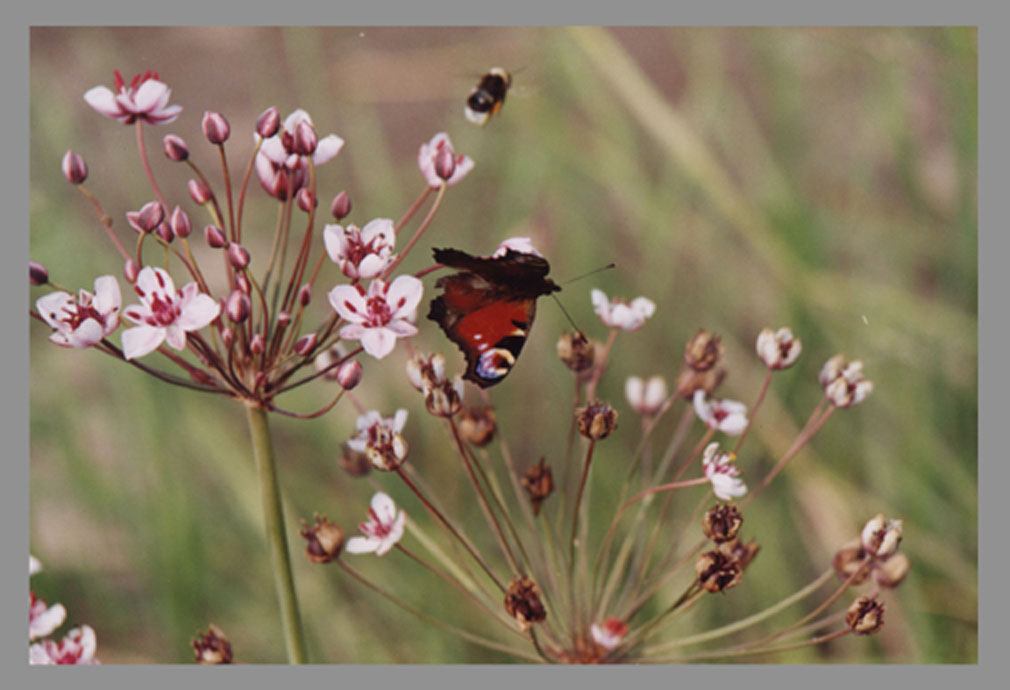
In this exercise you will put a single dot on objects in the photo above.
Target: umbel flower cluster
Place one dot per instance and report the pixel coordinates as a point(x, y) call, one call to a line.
point(208, 315)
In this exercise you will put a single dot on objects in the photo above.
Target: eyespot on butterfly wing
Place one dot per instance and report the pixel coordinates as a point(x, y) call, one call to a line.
point(487, 308)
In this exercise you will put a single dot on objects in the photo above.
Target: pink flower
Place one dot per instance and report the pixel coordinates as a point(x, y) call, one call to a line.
point(645, 397)
point(43, 619)
point(84, 321)
point(724, 475)
point(78, 647)
point(379, 316)
point(361, 253)
point(727, 416)
point(427, 155)
point(165, 313)
point(145, 98)
point(516, 244)
point(619, 314)
point(778, 349)
point(383, 529)
point(610, 634)
point(380, 440)
point(281, 169)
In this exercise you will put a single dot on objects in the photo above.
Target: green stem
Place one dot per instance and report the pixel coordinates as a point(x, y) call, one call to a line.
point(273, 515)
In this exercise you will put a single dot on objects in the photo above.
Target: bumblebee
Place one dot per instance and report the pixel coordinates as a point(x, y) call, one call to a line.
point(487, 97)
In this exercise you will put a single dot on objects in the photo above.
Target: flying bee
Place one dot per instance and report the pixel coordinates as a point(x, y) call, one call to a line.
point(487, 97)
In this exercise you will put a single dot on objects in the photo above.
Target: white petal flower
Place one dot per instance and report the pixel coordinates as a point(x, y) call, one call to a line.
point(383, 529)
point(145, 98)
point(645, 397)
point(881, 537)
point(43, 619)
point(380, 439)
point(282, 171)
point(619, 314)
point(380, 315)
point(724, 475)
point(82, 321)
point(164, 313)
point(78, 647)
point(778, 349)
point(727, 416)
point(609, 634)
point(426, 161)
point(362, 253)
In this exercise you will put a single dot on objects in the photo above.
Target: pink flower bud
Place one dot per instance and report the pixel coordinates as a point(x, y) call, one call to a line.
point(164, 231)
point(148, 218)
point(305, 295)
point(130, 271)
point(215, 127)
point(74, 168)
point(237, 306)
point(283, 319)
point(257, 344)
point(341, 206)
point(180, 223)
point(305, 344)
point(243, 283)
point(227, 336)
point(199, 192)
point(215, 237)
point(37, 273)
point(349, 374)
point(268, 122)
point(175, 148)
point(305, 139)
point(445, 163)
point(306, 200)
point(238, 256)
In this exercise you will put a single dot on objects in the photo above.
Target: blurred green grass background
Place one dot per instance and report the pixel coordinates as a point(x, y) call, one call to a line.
point(822, 178)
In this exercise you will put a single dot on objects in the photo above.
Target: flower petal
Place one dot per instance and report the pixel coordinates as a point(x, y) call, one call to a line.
point(149, 94)
point(378, 342)
point(362, 544)
point(348, 303)
point(104, 101)
point(327, 149)
point(198, 312)
point(141, 340)
point(404, 295)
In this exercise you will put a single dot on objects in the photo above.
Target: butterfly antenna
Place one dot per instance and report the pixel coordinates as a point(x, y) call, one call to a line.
point(565, 312)
point(592, 272)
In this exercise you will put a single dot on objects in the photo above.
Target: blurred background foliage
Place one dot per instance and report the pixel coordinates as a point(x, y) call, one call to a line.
point(741, 178)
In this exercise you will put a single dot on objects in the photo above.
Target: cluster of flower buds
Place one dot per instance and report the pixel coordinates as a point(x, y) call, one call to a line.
point(843, 382)
point(874, 553)
point(442, 397)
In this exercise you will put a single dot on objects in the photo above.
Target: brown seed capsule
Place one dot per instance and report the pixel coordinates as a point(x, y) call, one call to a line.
point(522, 602)
point(717, 572)
point(721, 523)
point(865, 616)
point(323, 541)
point(597, 420)
point(892, 571)
point(849, 560)
point(689, 380)
point(703, 351)
point(576, 351)
point(477, 425)
point(742, 552)
point(354, 463)
point(539, 482)
point(212, 647)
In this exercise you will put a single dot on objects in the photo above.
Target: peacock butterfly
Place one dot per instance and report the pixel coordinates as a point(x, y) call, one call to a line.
point(487, 308)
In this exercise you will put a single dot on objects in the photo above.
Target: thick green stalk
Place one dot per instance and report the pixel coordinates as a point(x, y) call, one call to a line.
point(273, 516)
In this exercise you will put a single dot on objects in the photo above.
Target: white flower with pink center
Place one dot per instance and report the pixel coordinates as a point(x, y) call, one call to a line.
point(720, 469)
point(84, 321)
point(645, 397)
point(727, 416)
point(380, 315)
point(610, 633)
point(516, 244)
point(146, 98)
point(78, 647)
point(43, 619)
point(277, 157)
point(383, 529)
point(617, 313)
point(380, 439)
point(165, 314)
point(362, 253)
point(427, 154)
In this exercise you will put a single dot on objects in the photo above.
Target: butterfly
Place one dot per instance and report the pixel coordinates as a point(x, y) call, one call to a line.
point(487, 308)
point(487, 98)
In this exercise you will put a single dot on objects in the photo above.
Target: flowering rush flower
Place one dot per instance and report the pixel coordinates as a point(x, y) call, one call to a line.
point(43, 619)
point(843, 381)
point(619, 314)
point(281, 169)
point(146, 98)
point(724, 475)
point(610, 634)
point(380, 440)
point(881, 537)
point(164, 313)
point(778, 349)
point(516, 244)
point(78, 647)
point(645, 397)
point(361, 253)
point(727, 416)
point(383, 529)
point(84, 321)
point(427, 154)
point(380, 315)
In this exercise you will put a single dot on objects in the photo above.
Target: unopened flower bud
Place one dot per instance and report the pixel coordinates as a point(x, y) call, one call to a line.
point(148, 218)
point(199, 192)
point(477, 425)
point(164, 231)
point(131, 270)
point(257, 344)
point(341, 206)
point(349, 374)
point(278, 184)
point(305, 295)
point(717, 572)
point(323, 541)
point(721, 523)
point(539, 483)
point(268, 122)
point(445, 163)
point(175, 148)
point(778, 349)
point(522, 602)
point(305, 139)
point(242, 282)
point(215, 236)
point(237, 306)
point(237, 255)
point(227, 337)
point(576, 351)
point(892, 571)
point(212, 647)
point(74, 168)
point(305, 344)
point(215, 127)
point(703, 351)
point(354, 462)
point(865, 616)
point(180, 222)
point(37, 273)
point(597, 420)
point(283, 319)
point(305, 199)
